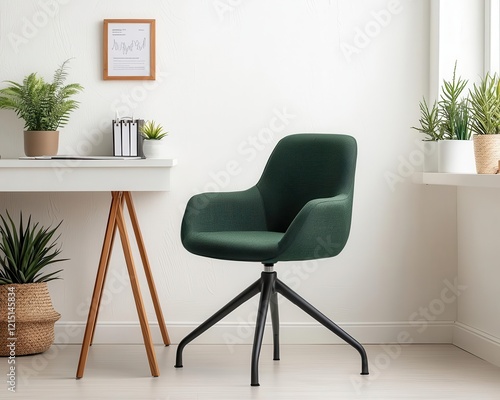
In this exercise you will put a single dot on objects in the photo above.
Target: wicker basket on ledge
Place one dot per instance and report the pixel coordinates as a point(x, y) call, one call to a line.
point(487, 153)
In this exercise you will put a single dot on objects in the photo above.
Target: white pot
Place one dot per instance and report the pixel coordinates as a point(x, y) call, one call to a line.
point(456, 156)
point(154, 148)
point(431, 156)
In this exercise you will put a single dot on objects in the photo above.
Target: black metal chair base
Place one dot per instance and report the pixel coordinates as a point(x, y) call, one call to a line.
point(269, 286)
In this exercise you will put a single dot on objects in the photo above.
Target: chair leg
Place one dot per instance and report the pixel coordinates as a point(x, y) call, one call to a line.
point(244, 296)
point(267, 279)
point(276, 325)
point(321, 318)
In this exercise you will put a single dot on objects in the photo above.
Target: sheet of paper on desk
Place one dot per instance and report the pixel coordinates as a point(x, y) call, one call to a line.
point(75, 157)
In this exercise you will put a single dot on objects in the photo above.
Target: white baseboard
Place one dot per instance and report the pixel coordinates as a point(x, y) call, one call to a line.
point(470, 339)
point(477, 342)
point(234, 334)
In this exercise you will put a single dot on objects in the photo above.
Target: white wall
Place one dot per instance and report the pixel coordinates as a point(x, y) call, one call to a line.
point(478, 258)
point(459, 35)
point(226, 70)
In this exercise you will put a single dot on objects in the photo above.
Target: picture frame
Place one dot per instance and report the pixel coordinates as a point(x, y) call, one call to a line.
point(129, 49)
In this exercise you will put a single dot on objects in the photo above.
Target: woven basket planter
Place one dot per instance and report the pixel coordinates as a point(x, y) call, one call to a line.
point(34, 319)
point(487, 153)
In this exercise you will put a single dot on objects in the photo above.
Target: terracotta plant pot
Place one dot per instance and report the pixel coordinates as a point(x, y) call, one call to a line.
point(487, 153)
point(41, 143)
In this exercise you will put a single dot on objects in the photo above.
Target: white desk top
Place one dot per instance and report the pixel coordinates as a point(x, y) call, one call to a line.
point(471, 180)
point(85, 175)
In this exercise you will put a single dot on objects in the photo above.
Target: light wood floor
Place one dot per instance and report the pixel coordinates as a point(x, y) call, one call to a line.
point(220, 373)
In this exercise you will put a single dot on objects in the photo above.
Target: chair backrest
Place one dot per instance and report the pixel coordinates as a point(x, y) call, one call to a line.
point(304, 167)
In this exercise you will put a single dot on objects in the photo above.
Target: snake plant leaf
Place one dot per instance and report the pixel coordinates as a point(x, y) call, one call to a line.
point(26, 250)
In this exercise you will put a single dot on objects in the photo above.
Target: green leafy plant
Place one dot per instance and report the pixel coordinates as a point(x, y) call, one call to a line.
point(43, 106)
point(462, 126)
point(152, 131)
point(453, 109)
point(430, 121)
point(484, 100)
point(26, 251)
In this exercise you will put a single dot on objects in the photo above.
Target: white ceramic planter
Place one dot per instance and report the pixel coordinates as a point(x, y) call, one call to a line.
point(154, 148)
point(431, 156)
point(456, 156)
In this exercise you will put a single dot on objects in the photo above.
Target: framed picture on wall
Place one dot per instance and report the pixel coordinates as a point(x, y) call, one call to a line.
point(129, 49)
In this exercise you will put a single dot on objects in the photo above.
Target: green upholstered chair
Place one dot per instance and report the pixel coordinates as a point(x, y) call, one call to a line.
point(302, 201)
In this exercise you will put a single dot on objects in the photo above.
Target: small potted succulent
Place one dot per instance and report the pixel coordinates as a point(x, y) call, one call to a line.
point(27, 317)
point(448, 123)
point(153, 145)
point(44, 107)
point(431, 127)
point(456, 150)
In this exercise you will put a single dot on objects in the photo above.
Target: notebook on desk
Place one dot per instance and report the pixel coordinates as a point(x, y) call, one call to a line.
point(76, 157)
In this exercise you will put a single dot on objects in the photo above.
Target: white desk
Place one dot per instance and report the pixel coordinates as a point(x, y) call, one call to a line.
point(119, 177)
point(85, 175)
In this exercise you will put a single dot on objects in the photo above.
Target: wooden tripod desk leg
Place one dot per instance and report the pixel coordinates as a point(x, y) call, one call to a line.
point(148, 342)
point(116, 220)
point(99, 282)
point(147, 268)
point(113, 235)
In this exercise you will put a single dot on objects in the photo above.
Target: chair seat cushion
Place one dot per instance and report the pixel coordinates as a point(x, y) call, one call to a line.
point(235, 245)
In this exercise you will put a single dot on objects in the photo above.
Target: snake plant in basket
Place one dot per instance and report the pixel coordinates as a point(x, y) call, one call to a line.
point(26, 314)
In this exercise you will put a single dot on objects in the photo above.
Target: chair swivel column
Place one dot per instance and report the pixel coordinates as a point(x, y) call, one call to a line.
point(268, 278)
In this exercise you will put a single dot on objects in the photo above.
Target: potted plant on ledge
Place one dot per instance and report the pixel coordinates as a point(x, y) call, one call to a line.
point(484, 101)
point(153, 145)
point(26, 314)
point(456, 152)
point(431, 127)
point(43, 106)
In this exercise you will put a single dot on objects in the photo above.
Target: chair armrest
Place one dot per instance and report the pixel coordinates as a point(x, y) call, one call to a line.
point(319, 230)
point(224, 211)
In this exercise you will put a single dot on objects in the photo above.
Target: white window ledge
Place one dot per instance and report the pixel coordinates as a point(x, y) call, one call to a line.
point(471, 180)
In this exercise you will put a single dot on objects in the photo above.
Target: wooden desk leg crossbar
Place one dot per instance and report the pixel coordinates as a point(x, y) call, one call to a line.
point(116, 220)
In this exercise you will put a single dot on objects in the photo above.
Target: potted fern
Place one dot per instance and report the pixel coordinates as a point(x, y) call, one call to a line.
point(26, 314)
point(44, 106)
point(153, 145)
point(484, 100)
